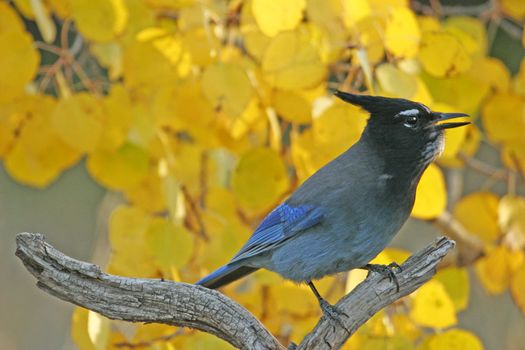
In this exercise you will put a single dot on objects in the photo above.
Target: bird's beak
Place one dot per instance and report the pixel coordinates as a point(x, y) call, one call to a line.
point(447, 116)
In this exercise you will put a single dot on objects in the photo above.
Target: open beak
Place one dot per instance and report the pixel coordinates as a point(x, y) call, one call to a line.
point(447, 116)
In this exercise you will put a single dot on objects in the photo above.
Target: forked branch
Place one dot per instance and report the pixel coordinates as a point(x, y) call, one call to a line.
point(187, 305)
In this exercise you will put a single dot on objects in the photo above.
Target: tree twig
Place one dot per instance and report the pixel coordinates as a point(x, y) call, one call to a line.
point(186, 305)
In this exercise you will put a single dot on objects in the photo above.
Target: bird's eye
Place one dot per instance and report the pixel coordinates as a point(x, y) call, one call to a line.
point(410, 121)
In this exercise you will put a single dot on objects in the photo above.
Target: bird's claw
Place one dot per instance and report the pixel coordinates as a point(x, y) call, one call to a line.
point(386, 270)
point(333, 313)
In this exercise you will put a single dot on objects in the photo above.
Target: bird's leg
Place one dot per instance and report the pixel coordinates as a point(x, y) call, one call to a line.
point(329, 310)
point(385, 270)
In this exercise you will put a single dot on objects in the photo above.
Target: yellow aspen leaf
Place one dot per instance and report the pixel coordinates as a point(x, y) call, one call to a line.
point(470, 32)
point(109, 55)
point(515, 8)
point(369, 32)
point(148, 194)
point(203, 340)
point(326, 13)
point(227, 87)
point(517, 286)
point(390, 255)
point(395, 82)
point(428, 24)
point(441, 54)
point(79, 329)
point(495, 73)
point(118, 117)
point(402, 33)
point(201, 44)
point(38, 155)
point(98, 328)
point(354, 11)
point(454, 141)
point(254, 39)
point(395, 342)
point(511, 215)
point(60, 7)
point(292, 106)
point(431, 195)
point(153, 61)
point(292, 298)
point(24, 6)
point(503, 118)
point(100, 20)
point(291, 62)
point(20, 62)
point(404, 326)
point(127, 228)
point(457, 284)
point(260, 179)
point(338, 128)
point(455, 339)
point(78, 120)
point(495, 268)
point(485, 223)
point(274, 16)
point(119, 169)
point(170, 245)
point(432, 306)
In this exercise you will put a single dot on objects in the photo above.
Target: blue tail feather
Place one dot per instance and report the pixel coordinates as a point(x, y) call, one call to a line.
point(225, 275)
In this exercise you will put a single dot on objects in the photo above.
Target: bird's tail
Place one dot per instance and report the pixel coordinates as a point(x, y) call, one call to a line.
point(225, 275)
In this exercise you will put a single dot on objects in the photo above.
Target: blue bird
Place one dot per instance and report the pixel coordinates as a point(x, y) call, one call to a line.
point(349, 210)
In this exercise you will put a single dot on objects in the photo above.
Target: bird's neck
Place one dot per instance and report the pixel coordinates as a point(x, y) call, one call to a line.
point(403, 168)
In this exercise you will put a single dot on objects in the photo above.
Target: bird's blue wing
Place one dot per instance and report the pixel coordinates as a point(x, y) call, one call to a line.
point(282, 223)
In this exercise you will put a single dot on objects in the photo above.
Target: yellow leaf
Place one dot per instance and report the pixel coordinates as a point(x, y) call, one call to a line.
point(503, 118)
point(119, 169)
point(431, 195)
point(390, 255)
point(20, 62)
point(517, 286)
point(292, 106)
point(274, 16)
point(484, 223)
point(291, 62)
point(109, 55)
point(395, 82)
point(227, 87)
point(457, 284)
point(511, 214)
point(495, 268)
point(470, 32)
point(100, 20)
point(130, 257)
point(98, 328)
point(148, 194)
point(432, 306)
point(78, 120)
point(395, 342)
point(260, 179)
point(38, 155)
point(155, 59)
point(24, 6)
point(455, 339)
point(402, 33)
point(79, 329)
point(171, 246)
point(441, 54)
point(515, 8)
point(118, 117)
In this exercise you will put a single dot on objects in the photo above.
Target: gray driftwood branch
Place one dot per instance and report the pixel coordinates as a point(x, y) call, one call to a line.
point(187, 305)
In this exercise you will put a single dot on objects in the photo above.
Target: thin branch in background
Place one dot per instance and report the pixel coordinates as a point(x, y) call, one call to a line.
point(201, 230)
point(484, 168)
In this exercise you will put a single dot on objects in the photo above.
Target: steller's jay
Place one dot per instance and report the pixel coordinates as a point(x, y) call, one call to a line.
point(348, 211)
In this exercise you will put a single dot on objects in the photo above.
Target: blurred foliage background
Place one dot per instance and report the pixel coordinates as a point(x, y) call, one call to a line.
point(195, 118)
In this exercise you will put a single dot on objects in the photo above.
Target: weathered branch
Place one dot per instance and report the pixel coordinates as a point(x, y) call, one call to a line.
point(186, 305)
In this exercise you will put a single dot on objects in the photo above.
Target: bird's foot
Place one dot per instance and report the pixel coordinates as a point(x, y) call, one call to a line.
point(332, 312)
point(385, 270)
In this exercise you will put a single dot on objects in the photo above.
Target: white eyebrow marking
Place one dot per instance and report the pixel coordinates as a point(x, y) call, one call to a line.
point(409, 112)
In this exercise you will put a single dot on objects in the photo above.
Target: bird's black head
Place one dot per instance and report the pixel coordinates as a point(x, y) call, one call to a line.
point(403, 130)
